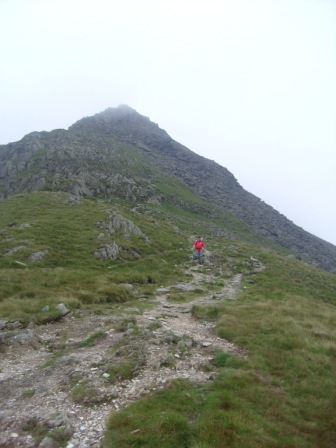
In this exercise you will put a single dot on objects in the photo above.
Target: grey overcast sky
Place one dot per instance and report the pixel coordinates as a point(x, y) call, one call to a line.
point(250, 84)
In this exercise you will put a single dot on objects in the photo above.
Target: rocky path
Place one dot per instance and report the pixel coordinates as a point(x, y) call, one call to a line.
point(61, 388)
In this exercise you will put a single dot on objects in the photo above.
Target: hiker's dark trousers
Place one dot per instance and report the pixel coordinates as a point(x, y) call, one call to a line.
point(198, 255)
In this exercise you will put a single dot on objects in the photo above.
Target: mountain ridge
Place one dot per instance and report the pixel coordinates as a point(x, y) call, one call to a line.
point(120, 153)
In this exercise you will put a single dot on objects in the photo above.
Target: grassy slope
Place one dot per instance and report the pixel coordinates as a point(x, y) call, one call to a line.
point(286, 321)
point(282, 395)
point(70, 273)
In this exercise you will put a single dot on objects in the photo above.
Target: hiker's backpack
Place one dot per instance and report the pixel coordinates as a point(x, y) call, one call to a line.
point(199, 245)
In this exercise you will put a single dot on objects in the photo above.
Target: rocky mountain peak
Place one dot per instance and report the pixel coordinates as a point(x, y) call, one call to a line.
point(122, 109)
point(121, 122)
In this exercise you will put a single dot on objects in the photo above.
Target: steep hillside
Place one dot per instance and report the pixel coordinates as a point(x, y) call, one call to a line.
point(111, 335)
point(120, 153)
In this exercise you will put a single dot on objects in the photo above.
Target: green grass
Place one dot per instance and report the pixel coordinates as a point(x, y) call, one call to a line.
point(93, 339)
point(27, 393)
point(59, 354)
point(161, 420)
point(85, 393)
point(221, 359)
point(70, 273)
point(122, 371)
point(280, 394)
point(176, 296)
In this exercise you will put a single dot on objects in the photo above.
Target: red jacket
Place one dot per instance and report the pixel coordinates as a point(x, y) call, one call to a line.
point(198, 245)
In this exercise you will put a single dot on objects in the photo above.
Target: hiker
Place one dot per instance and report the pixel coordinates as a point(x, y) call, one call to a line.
point(198, 252)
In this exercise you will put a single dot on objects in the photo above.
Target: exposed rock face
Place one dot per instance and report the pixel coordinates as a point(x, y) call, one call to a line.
point(37, 256)
point(77, 164)
point(110, 251)
point(114, 223)
point(118, 222)
point(119, 153)
point(28, 338)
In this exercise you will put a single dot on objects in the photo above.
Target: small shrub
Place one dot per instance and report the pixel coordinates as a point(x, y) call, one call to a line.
point(169, 361)
point(28, 393)
point(125, 370)
point(125, 324)
point(87, 298)
point(33, 426)
point(86, 393)
point(221, 359)
point(93, 339)
point(209, 313)
point(61, 435)
point(79, 393)
point(114, 294)
point(54, 358)
point(154, 325)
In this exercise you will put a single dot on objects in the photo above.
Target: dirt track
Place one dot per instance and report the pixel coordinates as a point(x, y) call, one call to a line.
point(35, 394)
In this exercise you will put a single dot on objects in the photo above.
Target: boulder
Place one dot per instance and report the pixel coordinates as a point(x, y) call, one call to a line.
point(28, 338)
point(37, 256)
point(48, 442)
point(14, 250)
point(62, 309)
point(110, 251)
point(118, 222)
